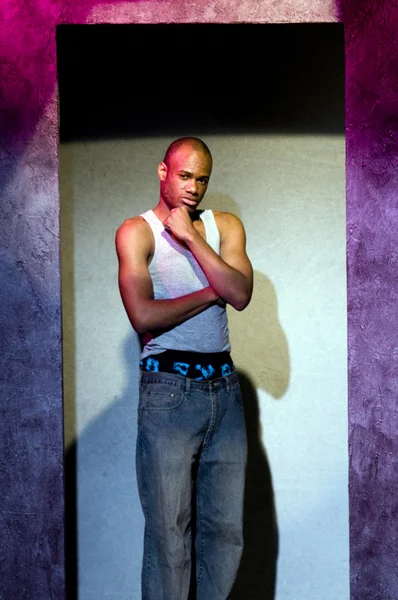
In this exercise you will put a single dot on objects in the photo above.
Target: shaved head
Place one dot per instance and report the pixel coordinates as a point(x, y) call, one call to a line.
point(184, 174)
point(188, 142)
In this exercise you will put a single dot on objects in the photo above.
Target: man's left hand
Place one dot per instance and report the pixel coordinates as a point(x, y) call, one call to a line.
point(179, 223)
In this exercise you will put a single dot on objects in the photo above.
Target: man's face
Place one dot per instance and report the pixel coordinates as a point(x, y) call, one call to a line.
point(184, 181)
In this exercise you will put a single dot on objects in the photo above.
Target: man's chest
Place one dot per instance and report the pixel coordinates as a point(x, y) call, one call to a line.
point(175, 243)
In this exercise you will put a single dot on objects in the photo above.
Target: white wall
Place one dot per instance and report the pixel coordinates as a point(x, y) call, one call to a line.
point(291, 342)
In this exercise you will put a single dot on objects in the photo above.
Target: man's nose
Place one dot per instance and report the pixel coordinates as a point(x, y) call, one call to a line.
point(191, 187)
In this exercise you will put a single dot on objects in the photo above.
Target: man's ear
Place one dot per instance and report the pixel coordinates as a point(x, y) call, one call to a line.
point(162, 171)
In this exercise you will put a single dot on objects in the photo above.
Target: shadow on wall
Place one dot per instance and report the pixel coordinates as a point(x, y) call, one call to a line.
point(108, 524)
point(67, 247)
point(104, 522)
point(260, 352)
point(256, 578)
point(103, 513)
point(259, 344)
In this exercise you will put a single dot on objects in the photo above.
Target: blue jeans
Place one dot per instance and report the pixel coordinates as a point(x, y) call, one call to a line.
point(191, 437)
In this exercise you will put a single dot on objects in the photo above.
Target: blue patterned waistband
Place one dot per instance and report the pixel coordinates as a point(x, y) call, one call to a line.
point(196, 365)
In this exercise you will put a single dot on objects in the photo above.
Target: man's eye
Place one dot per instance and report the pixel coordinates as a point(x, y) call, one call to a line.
point(204, 181)
point(184, 176)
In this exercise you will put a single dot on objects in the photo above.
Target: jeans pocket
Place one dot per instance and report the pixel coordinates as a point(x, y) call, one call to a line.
point(237, 395)
point(160, 396)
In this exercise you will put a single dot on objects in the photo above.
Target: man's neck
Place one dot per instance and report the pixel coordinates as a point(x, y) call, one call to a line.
point(162, 212)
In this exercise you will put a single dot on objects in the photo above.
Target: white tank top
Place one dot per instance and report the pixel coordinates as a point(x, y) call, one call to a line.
point(175, 272)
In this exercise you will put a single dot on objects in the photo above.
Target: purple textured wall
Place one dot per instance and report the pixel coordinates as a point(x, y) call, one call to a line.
point(31, 478)
point(371, 33)
point(31, 541)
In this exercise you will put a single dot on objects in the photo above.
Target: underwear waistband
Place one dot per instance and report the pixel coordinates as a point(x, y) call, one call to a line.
point(196, 365)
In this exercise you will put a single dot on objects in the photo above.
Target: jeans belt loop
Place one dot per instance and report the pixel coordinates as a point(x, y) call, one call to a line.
point(187, 385)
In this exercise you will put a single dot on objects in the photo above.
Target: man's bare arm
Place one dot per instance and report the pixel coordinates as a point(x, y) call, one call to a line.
point(133, 246)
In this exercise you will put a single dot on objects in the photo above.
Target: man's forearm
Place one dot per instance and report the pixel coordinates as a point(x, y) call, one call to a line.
point(155, 315)
point(228, 283)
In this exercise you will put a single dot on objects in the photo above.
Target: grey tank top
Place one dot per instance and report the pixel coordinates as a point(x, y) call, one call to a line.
point(175, 272)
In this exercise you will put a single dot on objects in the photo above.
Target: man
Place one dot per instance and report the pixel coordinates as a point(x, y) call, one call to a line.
point(178, 268)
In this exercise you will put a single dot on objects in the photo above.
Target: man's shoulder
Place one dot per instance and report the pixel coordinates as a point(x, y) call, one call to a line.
point(230, 227)
point(133, 224)
point(133, 229)
point(227, 219)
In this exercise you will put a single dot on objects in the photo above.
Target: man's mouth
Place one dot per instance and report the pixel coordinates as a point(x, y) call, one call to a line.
point(189, 202)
